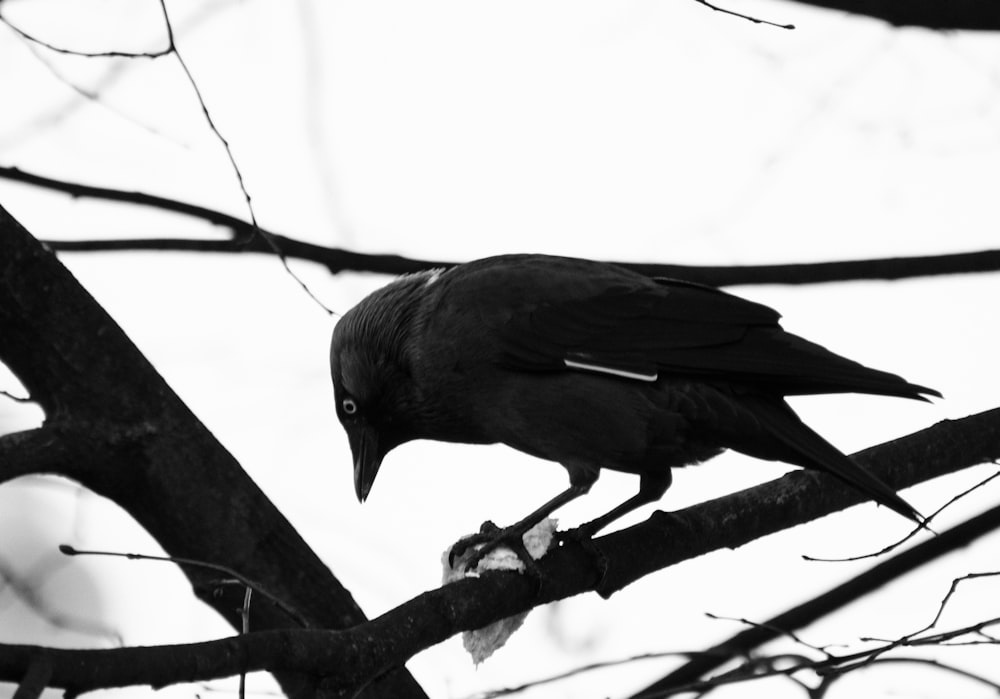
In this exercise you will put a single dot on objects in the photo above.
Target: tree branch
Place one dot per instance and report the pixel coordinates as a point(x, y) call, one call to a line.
point(742, 644)
point(798, 497)
point(350, 657)
point(242, 240)
point(338, 260)
point(115, 426)
point(32, 451)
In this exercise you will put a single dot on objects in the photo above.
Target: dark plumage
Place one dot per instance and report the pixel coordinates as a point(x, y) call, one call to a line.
point(589, 365)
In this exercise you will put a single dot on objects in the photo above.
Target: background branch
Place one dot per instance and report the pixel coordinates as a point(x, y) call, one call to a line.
point(352, 656)
point(743, 643)
point(244, 240)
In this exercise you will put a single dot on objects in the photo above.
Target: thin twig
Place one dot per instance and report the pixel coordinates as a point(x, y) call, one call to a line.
point(232, 161)
point(916, 530)
point(83, 54)
point(744, 642)
point(778, 631)
point(245, 615)
point(16, 399)
point(755, 20)
point(590, 667)
point(68, 550)
point(832, 666)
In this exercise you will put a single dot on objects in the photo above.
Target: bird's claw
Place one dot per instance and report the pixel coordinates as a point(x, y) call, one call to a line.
point(489, 538)
point(580, 535)
point(486, 532)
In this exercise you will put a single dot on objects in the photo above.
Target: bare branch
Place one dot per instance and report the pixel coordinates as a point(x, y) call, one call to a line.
point(339, 260)
point(84, 54)
point(16, 399)
point(238, 577)
point(800, 496)
point(589, 667)
point(35, 680)
point(243, 239)
point(271, 242)
point(39, 450)
point(916, 530)
point(951, 593)
point(743, 643)
point(352, 656)
point(117, 428)
point(829, 669)
point(755, 20)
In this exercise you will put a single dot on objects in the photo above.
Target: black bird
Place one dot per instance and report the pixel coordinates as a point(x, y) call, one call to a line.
point(589, 365)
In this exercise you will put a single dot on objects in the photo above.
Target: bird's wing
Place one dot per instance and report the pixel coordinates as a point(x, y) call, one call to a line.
point(643, 329)
point(632, 327)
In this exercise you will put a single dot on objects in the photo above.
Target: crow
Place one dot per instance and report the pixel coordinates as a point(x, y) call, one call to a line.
point(589, 365)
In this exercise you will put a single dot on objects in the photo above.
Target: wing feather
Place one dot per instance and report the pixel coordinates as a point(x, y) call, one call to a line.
point(640, 328)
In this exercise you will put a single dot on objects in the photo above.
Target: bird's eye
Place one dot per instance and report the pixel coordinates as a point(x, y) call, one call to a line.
point(349, 406)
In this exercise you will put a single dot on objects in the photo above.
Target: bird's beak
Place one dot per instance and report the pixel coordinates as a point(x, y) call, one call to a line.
point(367, 459)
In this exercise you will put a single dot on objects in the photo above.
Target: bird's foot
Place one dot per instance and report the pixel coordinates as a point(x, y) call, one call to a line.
point(581, 535)
point(470, 550)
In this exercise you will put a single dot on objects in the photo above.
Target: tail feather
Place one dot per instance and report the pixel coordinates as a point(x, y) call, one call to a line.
point(818, 454)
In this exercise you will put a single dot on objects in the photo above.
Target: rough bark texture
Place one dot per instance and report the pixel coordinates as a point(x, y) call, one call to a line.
point(114, 425)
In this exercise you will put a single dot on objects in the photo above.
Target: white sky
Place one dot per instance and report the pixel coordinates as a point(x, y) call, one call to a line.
point(632, 130)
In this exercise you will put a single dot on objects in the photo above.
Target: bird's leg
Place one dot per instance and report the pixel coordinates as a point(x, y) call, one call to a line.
point(580, 483)
point(652, 486)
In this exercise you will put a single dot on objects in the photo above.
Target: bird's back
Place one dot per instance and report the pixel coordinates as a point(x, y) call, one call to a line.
point(532, 313)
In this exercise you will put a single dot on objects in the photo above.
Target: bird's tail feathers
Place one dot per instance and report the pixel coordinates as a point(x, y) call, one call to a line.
point(816, 453)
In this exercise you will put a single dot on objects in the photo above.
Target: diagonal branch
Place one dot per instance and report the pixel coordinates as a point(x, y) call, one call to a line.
point(742, 644)
point(350, 657)
point(798, 497)
point(114, 425)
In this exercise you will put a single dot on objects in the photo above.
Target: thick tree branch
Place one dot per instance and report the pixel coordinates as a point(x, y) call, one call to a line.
point(955, 14)
point(348, 658)
point(33, 451)
point(114, 425)
point(338, 260)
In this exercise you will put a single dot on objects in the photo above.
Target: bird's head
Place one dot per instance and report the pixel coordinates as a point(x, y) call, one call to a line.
point(371, 360)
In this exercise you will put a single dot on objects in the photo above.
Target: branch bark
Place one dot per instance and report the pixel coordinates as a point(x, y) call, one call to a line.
point(114, 425)
point(350, 657)
point(244, 239)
